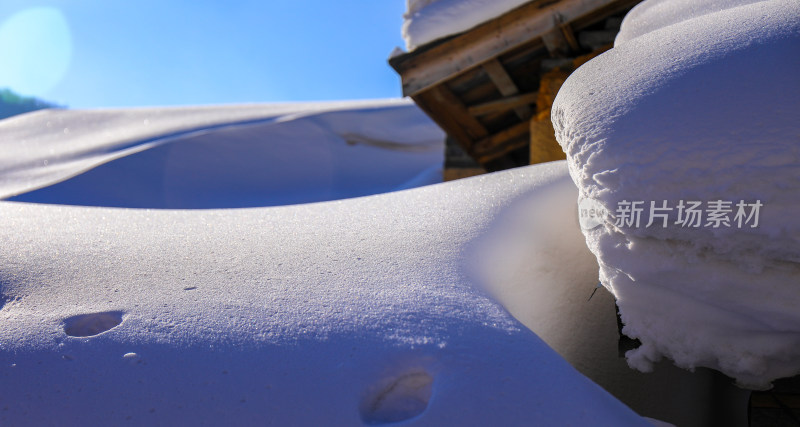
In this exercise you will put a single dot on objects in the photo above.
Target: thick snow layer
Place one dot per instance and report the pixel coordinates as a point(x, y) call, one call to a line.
point(217, 157)
point(430, 20)
point(349, 312)
point(652, 15)
point(696, 104)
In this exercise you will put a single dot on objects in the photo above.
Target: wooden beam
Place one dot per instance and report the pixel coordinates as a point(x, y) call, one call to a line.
point(503, 149)
point(473, 48)
point(499, 76)
point(560, 41)
point(569, 36)
point(444, 97)
point(503, 104)
point(497, 145)
point(452, 116)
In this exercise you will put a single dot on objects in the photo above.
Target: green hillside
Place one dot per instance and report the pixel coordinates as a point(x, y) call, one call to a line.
point(12, 104)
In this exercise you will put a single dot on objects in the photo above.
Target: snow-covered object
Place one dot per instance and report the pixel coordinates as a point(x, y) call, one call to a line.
point(652, 15)
point(696, 108)
point(430, 20)
point(347, 312)
point(220, 156)
point(534, 261)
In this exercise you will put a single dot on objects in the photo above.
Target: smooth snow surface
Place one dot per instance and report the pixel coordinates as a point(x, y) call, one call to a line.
point(697, 103)
point(653, 15)
point(430, 20)
point(218, 157)
point(349, 312)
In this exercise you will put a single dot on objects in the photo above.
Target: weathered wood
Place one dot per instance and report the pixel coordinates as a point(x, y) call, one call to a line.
point(500, 77)
point(505, 85)
point(503, 104)
point(556, 43)
point(556, 40)
point(473, 48)
point(501, 150)
point(478, 94)
point(569, 36)
point(502, 57)
point(544, 147)
point(444, 121)
point(452, 116)
point(458, 111)
point(486, 148)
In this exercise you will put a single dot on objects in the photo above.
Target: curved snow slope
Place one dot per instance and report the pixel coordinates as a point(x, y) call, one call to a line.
point(652, 15)
point(430, 20)
point(218, 157)
point(336, 313)
point(697, 109)
point(534, 261)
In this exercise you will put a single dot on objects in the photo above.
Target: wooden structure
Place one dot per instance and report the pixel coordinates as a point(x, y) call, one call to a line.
point(491, 88)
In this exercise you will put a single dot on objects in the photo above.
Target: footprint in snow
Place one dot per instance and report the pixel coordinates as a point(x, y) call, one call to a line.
point(91, 324)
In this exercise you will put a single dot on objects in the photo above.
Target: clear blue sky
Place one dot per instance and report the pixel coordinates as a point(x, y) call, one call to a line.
point(114, 53)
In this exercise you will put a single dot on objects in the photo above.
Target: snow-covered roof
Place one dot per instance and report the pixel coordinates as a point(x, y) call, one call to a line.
point(430, 20)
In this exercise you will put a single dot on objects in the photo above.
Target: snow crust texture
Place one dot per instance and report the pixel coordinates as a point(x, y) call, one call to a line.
point(698, 101)
point(347, 312)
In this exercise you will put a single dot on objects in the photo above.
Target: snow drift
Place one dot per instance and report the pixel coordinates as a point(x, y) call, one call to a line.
point(696, 103)
point(347, 312)
point(218, 157)
point(350, 312)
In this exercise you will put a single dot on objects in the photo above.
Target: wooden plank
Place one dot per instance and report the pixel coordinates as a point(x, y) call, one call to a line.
point(503, 104)
point(444, 121)
point(452, 116)
point(478, 94)
point(499, 76)
point(543, 144)
point(554, 40)
point(503, 149)
point(489, 144)
point(444, 97)
point(473, 48)
point(560, 42)
point(556, 43)
point(569, 36)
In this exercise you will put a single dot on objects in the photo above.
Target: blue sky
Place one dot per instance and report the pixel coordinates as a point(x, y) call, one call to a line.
point(115, 53)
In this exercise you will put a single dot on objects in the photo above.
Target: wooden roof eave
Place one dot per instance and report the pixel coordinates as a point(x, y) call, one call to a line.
point(424, 68)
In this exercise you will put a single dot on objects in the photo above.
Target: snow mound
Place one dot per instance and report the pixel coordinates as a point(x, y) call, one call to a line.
point(535, 262)
point(337, 313)
point(696, 105)
point(430, 20)
point(655, 14)
point(218, 157)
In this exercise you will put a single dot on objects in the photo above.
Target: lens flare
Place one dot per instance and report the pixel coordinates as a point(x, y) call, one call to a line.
point(35, 47)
